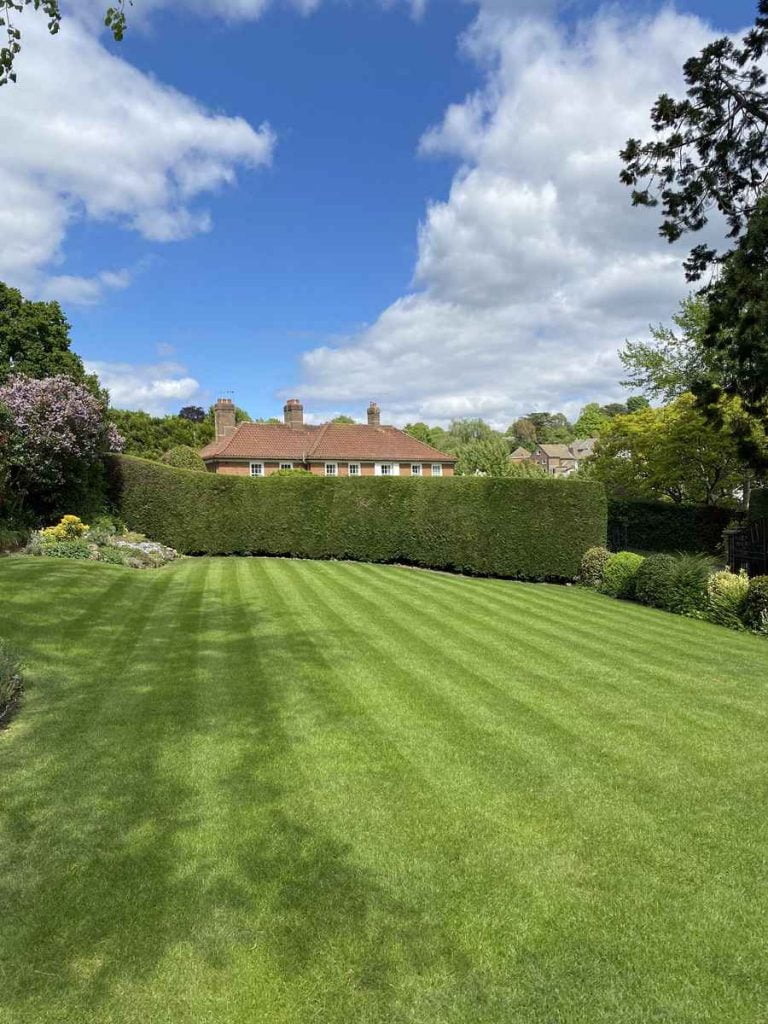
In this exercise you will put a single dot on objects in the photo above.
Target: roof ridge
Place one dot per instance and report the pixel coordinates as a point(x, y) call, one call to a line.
point(320, 435)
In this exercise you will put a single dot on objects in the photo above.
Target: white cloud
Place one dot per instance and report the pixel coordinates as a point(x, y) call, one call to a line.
point(158, 388)
point(84, 291)
point(536, 268)
point(86, 135)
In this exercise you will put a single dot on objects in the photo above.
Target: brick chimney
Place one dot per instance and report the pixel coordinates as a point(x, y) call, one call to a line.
point(374, 415)
point(293, 412)
point(224, 418)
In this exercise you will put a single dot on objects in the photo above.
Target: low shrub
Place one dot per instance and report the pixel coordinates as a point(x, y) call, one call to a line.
point(654, 580)
point(593, 566)
point(78, 549)
point(68, 528)
point(756, 605)
point(726, 598)
point(12, 537)
point(675, 583)
point(619, 574)
point(184, 457)
point(10, 680)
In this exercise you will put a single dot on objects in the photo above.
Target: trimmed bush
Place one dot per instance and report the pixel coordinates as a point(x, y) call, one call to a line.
point(593, 566)
point(726, 598)
point(525, 529)
point(619, 574)
point(184, 457)
point(756, 605)
point(664, 526)
point(675, 583)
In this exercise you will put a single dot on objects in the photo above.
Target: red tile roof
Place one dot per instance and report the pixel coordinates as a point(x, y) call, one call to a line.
point(332, 442)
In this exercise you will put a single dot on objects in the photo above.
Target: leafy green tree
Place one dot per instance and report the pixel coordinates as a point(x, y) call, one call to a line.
point(591, 421)
point(461, 432)
point(522, 433)
point(150, 437)
point(673, 452)
point(637, 402)
point(192, 412)
point(343, 418)
point(735, 335)
point(34, 340)
point(710, 149)
point(420, 431)
point(114, 19)
point(673, 362)
point(613, 409)
point(551, 428)
point(488, 456)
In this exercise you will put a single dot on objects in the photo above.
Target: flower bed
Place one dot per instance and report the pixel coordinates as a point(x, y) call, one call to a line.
point(104, 541)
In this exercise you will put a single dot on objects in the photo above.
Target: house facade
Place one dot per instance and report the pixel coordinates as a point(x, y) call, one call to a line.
point(328, 449)
point(560, 459)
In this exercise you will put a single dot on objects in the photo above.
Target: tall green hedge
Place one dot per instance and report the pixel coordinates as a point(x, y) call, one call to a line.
point(664, 526)
point(521, 528)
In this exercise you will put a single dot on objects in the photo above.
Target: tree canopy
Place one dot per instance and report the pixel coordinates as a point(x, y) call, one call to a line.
point(34, 340)
point(710, 149)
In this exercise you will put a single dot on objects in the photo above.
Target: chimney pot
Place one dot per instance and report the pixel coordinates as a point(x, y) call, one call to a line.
point(374, 415)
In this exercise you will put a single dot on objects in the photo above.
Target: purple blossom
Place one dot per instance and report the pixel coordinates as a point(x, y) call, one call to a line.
point(55, 423)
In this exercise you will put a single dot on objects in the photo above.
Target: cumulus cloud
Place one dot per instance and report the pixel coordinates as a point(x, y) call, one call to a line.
point(157, 389)
point(87, 135)
point(535, 268)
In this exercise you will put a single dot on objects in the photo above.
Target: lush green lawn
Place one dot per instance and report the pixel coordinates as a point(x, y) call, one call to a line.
point(247, 790)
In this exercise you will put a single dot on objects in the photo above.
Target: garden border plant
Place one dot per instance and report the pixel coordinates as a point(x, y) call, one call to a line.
point(536, 529)
point(11, 684)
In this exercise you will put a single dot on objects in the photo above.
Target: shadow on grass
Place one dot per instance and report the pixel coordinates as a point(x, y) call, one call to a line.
point(146, 806)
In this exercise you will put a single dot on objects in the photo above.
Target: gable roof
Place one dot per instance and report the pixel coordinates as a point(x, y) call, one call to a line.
point(331, 441)
point(520, 453)
point(557, 451)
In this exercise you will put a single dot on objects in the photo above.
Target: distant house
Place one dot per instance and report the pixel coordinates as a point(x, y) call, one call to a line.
point(520, 455)
point(328, 449)
point(563, 459)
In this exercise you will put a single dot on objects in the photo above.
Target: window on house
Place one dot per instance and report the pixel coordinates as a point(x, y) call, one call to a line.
point(386, 469)
point(257, 469)
point(416, 469)
point(286, 465)
point(330, 469)
point(437, 469)
point(354, 469)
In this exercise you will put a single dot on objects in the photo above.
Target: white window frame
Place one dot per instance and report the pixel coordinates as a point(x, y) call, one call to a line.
point(260, 471)
point(437, 469)
point(358, 469)
point(331, 469)
point(394, 468)
point(286, 465)
point(416, 469)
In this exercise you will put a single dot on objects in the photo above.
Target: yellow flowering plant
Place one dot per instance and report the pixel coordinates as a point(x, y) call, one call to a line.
point(68, 528)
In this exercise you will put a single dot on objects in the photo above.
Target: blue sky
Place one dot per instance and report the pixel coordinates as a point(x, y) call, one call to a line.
point(342, 254)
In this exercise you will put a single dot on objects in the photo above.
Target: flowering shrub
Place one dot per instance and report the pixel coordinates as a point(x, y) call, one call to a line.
point(69, 528)
point(726, 597)
point(54, 430)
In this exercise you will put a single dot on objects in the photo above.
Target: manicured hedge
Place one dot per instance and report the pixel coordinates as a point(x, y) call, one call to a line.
point(520, 528)
point(664, 526)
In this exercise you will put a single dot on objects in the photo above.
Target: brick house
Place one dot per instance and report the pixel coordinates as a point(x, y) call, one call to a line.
point(330, 449)
point(562, 459)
